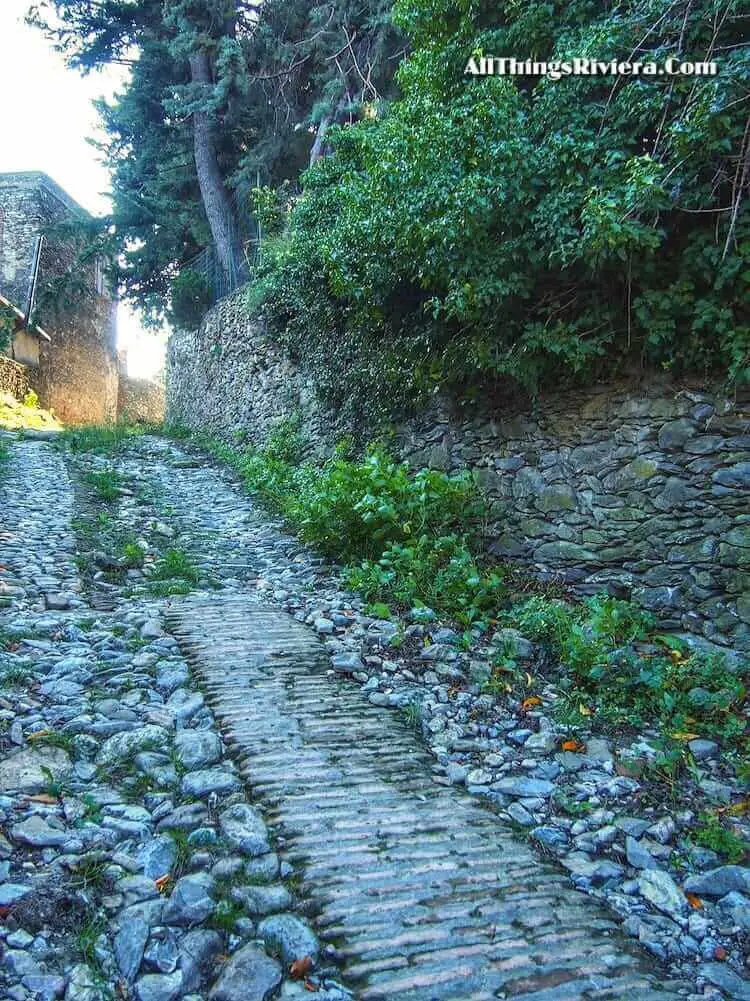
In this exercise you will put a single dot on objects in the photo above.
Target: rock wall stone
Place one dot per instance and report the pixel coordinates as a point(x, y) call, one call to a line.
point(14, 378)
point(77, 372)
point(140, 400)
point(643, 491)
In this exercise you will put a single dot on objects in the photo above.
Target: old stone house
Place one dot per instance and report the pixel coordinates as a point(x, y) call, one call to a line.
point(69, 350)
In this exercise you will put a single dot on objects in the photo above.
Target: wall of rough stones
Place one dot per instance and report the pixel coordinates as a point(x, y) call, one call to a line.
point(14, 378)
point(77, 372)
point(140, 400)
point(640, 490)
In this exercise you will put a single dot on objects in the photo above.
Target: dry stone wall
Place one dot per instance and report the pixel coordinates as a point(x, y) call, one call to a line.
point(140, 400)
point(643, 491)
point(14, 378)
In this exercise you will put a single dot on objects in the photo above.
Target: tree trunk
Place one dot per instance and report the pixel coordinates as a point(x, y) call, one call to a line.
point(213, 193)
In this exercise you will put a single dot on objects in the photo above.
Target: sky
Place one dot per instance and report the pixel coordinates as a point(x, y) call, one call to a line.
point(47, 116)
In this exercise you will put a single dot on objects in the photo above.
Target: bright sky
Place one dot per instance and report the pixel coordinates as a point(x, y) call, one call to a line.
point(46, 118)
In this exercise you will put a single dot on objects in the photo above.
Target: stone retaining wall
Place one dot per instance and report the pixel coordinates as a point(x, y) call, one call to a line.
point(642, 491)
point(140, 400)
point(14, 378)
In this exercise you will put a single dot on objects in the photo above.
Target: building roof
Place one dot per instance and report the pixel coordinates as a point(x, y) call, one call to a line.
point(38, 179)
point(32, 328)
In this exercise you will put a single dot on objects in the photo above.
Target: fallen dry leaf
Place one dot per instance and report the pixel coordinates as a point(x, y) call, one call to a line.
point(577, 746)
point(37, 734)
point(310, 986)
point(695, 902)
point(162, 882)
point(737, 809)
point(685, 737)
point(585, 711)
point(533, 700)
point(300, 968)
point(720, 952)
point(42, 797)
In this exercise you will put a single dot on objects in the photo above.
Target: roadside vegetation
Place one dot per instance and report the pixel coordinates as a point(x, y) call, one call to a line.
point(409, 540)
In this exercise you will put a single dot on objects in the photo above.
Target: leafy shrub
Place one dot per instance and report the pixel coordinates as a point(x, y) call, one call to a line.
point(191, 296)
point(352, 510)
point(441, 572)
point(714, 835)
point(528, 229)
point(632, 674)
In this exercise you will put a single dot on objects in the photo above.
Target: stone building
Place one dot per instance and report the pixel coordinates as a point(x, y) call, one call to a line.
point(73, 369)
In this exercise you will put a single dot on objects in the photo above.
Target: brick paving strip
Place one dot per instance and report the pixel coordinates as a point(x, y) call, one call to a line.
point(423, 893)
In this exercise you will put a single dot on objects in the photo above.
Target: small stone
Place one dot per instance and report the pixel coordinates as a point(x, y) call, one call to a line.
point(129, 943)
point(191, 901)
point(210, 780)
point(197, 748)
point(323, 626)
point(550, 837)
point(289, 938)
point(243, 828)
point(250, 975)
point(27, 770)
point(720, 975)
point(456, 773)
point(518, 737)
point(262, 900)
point(520, 815)
point(718, 882)
point(702, 750)
point(478, 777)
point(158, 856)
point(45, 986)
point(37, 832)
point(11, 893)
point(660, 889)
point(162, 952)
point(159, 986)
point(198, 952)
point(638, 856)
point(151, 630)
point(346, 663)
point(127, 744)
point(543, 742)
point(522, 787)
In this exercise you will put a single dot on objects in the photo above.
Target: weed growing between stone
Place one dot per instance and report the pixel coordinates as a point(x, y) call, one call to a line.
point(411, 539)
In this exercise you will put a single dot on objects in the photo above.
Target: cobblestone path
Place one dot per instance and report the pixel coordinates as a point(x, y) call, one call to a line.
point(415, 888)
point(424, 894)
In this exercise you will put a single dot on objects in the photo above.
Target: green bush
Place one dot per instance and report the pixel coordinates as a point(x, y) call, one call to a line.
point(353, 510)
point(543, 231)
point(438, 571)
point(632, 674)
point(191, 296)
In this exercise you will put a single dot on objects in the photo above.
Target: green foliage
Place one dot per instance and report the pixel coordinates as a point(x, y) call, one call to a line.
point(191, 296)
point(107, 483)
point(175, 564)
point(438, 570)
point(545, 232)
point(100, 438)
point(353, 510)
point(631, 674)
point(407, 537)
point(132, 556)
point(713, 834)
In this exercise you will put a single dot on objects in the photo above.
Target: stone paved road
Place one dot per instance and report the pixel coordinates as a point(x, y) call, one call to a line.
point(424, 894)
point(421, 892)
